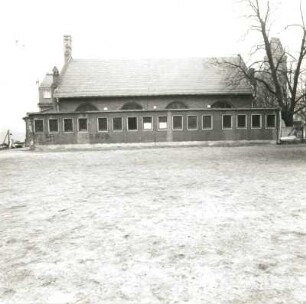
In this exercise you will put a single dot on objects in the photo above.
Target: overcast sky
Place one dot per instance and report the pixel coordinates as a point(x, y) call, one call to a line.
point(32, 37)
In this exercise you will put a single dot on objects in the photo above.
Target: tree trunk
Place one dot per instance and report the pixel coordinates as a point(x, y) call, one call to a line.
point(287, 116)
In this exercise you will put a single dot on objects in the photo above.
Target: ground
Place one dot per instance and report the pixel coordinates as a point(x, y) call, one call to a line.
point(164, 225)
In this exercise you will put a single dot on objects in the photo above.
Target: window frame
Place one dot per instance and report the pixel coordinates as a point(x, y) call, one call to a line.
point(98, 125)
point(260, 121)
point(47, 94)
point(53, 132)
point(246, 122)
point(178, 129)
point(223, 128)
point(117, 130)
point(43, 125)
point(143, 128)
point(197, 127)
point(127, 124)
point(211, 122)
point(162, 129)
point(83, 131)
point(71, 125)
point(266, 121)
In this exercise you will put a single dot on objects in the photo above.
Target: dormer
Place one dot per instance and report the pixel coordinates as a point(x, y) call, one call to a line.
point(46, 90)
point(45, 93)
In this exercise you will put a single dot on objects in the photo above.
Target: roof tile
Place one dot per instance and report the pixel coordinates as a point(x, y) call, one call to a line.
point(146, 77)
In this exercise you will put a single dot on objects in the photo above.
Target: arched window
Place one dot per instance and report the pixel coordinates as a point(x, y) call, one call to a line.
point(221, 104)
point(87, 107)
point(131, 106)
point(176, 105)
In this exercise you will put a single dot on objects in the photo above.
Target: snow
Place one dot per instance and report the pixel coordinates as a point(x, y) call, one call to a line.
point(164, 225)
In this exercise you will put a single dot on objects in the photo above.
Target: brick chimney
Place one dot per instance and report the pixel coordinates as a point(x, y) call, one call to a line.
point(67, 48)
point(55, 75)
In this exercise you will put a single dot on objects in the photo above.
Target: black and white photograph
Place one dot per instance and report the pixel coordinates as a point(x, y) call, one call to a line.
point(153, 152)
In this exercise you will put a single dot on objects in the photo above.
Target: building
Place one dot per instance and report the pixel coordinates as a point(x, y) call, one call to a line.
point(145, 100)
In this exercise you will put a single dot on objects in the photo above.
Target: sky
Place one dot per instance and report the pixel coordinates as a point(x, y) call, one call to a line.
point(32, 37)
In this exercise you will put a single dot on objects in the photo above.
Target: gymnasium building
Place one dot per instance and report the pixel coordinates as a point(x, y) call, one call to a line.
point(145, 100)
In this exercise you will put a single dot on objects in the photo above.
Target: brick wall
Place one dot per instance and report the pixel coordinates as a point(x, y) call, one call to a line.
point(195, 133)
point(160, 102)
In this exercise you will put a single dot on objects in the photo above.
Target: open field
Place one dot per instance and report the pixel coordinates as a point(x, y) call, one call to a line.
point(173, 225)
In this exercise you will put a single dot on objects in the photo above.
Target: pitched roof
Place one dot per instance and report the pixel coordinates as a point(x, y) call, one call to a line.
point(146, 77)
point(47, 81)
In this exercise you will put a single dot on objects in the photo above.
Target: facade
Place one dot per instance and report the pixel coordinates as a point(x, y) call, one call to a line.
point(147, 100)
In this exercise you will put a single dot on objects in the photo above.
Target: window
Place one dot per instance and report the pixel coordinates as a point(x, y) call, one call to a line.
point(102, 124)
point(241, 121)
point(207, 122)
point(132, 123)
point(226, 121)
point(87, 107)
point(221, 104)
point(176, 105)
point(147, 123)
point(82, 124)
point(256, 121)
point(39, 125)
point(192, 122)
point(53, 125)
point(162, 123)
point(68, 125)
point(131, 106)
point(46, 94)
point(117, 123)
point(270, 121)
point(177, 122)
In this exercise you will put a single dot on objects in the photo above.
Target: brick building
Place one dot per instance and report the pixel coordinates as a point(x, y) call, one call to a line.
point(146, 100)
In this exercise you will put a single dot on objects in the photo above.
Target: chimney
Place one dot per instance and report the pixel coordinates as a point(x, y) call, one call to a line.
point(55, 74)
point(67, 48)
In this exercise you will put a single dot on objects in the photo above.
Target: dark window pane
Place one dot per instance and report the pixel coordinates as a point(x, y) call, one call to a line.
point(147, 123)
point(227, 121)
point(68, 126)
point(177, 122)
point(241, 121)
point(82, 124)
point(192, 122)
point(256, 121)
point(162, 122)
point(207, 122)
point(39, 125)
point(271, 121)
point(102, 124)
point(132, 123)
point(53, 125)
point(117, 123)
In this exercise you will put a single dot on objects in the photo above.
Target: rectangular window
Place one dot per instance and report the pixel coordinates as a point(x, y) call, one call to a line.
point(270, 121)
point(102, 124)
point(39, 125)
point(192, 122)
point(207, 122)
point(241, 121)
point(46, 94)
point(68, 125)
point(147, 123)
point(117, 123)
point(53, 125)
point(226, 121)
point(256, 121)
point(132, 123)
point(177, 122)
point(82, 124)
point(162, 123)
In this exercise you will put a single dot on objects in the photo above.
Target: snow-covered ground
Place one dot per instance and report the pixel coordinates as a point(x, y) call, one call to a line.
point(171, 225)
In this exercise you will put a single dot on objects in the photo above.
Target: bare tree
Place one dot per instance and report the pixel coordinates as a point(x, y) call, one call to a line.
point(278, 78)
